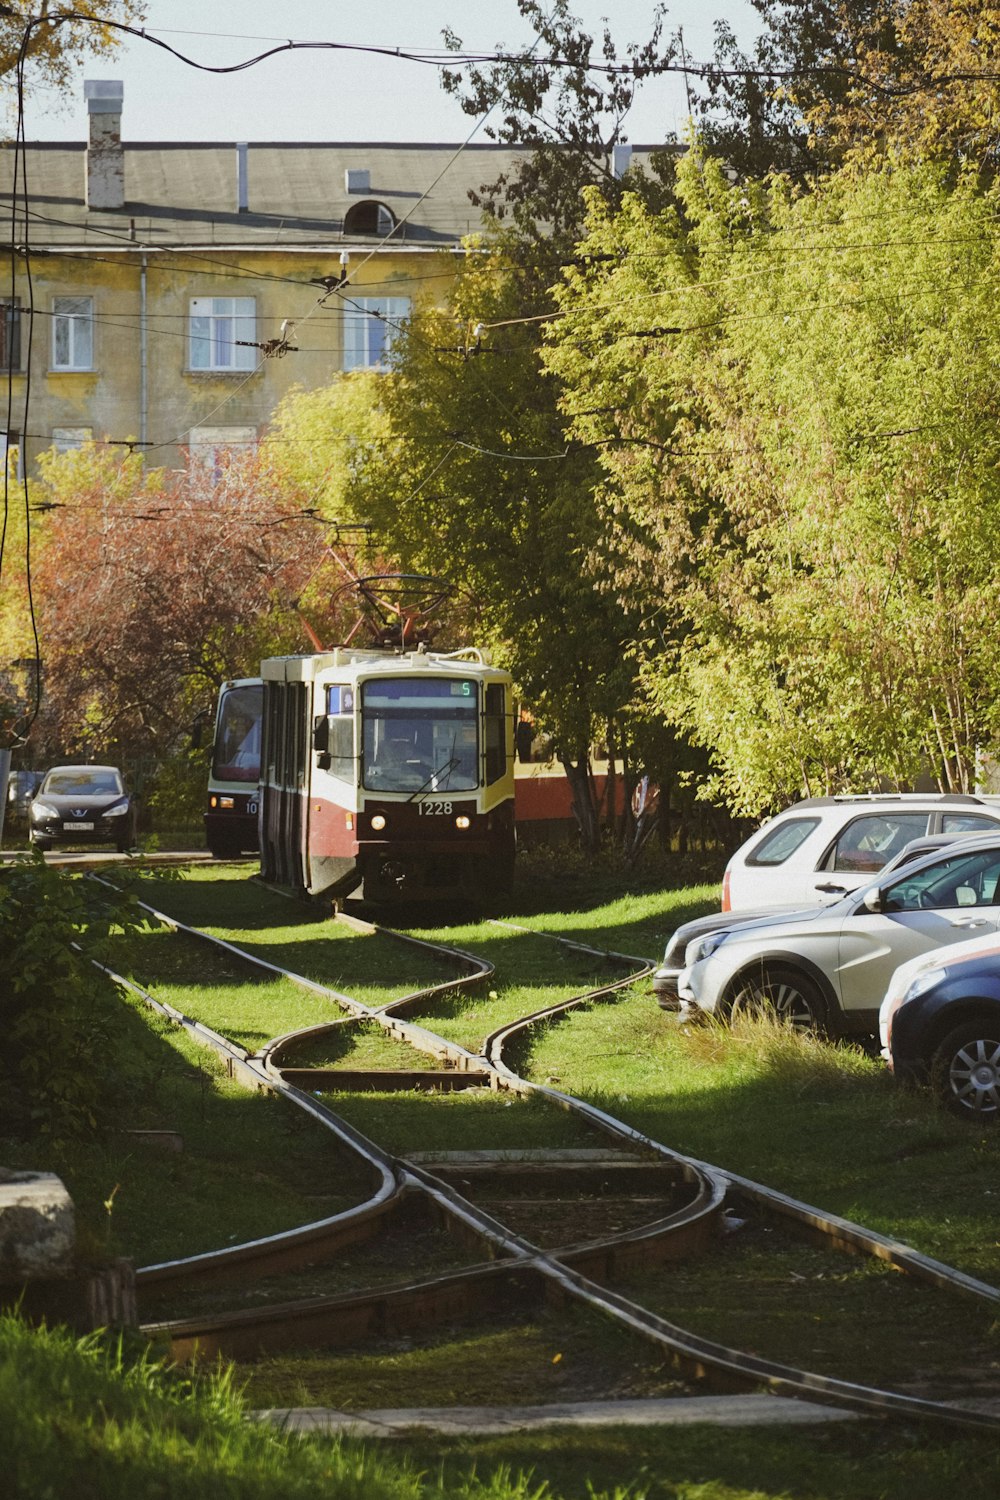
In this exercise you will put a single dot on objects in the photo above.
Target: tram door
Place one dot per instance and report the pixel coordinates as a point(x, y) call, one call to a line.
point(284, 771)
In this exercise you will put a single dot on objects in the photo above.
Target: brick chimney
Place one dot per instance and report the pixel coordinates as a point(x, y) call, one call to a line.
point(105, 167)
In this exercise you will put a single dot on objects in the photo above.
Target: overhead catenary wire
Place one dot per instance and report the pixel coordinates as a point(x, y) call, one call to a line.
point(450, 58)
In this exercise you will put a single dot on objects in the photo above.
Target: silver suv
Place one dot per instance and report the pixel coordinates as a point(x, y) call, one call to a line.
point(825, 847)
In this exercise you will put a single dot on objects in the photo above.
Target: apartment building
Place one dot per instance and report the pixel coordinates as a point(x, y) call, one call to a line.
point(167, 295)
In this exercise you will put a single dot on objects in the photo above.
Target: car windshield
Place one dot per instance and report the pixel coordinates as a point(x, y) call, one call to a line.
point(85, 781)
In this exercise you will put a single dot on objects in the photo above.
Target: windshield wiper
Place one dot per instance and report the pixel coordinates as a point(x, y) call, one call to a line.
point(448, 766)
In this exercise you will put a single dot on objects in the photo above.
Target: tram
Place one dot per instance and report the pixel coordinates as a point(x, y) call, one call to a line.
point(392, 770)
point(231, 815)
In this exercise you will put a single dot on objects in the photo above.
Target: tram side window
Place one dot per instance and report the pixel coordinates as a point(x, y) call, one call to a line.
point(334, 735)
point(496, 731)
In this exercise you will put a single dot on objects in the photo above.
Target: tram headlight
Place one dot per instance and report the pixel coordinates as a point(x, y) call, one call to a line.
point(378, 822)
point(227, 802)
point(463, 822)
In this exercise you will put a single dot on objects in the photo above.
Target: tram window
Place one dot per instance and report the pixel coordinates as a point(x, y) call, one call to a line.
point(334, 735)
point(420, 733)
point(496, 732)
point(237, 740)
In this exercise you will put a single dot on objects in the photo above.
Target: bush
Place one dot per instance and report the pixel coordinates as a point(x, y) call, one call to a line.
point(55, 1006)
point(178, 790)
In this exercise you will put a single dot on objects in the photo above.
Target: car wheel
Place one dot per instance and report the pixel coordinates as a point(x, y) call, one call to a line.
point(965, 1071)
point(783, 993)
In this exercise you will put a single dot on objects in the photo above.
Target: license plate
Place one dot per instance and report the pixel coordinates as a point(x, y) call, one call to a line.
point(79, 827)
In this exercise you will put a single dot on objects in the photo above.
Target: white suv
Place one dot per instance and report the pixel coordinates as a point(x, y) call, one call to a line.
point(828, 967)
point(825, 847)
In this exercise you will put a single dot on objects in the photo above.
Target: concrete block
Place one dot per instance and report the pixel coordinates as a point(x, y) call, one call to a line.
point(37, 1226)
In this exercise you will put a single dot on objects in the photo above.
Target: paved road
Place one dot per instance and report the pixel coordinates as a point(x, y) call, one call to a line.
point(71, 857)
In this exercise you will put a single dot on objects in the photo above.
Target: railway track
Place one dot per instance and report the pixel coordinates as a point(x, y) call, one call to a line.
point(537, 1228)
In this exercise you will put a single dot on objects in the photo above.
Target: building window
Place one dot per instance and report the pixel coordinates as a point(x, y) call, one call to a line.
point(10, 333)
point(211, 448)
point(66, 438)
point(223, 331)
point(369, 217)
point(371, 325)
point(10, 454)
point(73, 333)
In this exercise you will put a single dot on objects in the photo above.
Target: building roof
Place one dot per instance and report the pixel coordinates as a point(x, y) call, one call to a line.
point(296, 193)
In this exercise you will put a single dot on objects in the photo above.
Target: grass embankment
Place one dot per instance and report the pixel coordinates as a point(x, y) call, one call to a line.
point(89, 1420)
point(824, 1123)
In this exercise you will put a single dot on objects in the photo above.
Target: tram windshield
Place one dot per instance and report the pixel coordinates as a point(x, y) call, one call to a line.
point(237, 735)
point(420, 734)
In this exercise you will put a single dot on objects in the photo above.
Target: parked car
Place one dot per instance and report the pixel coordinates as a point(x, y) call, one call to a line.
point(829, 846)
point(939, 1023)
point(828, 967)
point(665, 978)
point(82, 805)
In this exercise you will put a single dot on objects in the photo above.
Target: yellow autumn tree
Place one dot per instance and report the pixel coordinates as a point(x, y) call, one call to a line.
point(925, 83)
point(54, 39)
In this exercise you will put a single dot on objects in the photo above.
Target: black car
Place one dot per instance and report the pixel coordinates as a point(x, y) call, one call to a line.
point(82, 805)
point(940, 1024)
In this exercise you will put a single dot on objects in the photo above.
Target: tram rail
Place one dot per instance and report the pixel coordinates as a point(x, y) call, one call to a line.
point(510, 1262)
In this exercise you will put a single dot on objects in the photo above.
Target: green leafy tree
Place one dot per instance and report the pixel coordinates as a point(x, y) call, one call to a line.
point(828, 81)
point(754, 106)
point(927, 87)
point(477, 484)
point(802, 456)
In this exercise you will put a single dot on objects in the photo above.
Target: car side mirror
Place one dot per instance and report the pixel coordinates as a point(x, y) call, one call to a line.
point(873, 901)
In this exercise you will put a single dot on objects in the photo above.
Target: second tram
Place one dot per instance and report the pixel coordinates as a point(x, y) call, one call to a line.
point(234, 778)
point(390, 770)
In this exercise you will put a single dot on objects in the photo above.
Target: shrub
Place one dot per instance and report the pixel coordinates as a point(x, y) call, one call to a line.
point(55, 1005)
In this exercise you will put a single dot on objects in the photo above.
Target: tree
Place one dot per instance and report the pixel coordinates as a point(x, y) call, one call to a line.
point(317, 440)
point(53, 49)
point(153, 587)
point(568, 119)
point(802, 455)
point(930, 88)
point(476, 483)
point(757, 109)
point(827, 81)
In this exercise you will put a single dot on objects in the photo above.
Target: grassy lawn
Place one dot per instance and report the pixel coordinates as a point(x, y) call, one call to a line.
point(823, 1123)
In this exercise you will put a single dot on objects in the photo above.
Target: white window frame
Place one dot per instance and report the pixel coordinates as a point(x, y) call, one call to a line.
point(73, 326)
point(65, 439)
point(221, 335)
point(371, 325)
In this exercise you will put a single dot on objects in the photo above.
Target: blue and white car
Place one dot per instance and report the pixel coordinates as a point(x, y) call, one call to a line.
point(939, 1023)
point(828, 968)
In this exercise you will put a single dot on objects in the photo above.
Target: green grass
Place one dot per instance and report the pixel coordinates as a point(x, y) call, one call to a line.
point(825, 1124)
point(249, 1164)
point(557, 1354)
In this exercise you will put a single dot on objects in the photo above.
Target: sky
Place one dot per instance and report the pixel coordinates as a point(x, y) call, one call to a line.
point(346, 96)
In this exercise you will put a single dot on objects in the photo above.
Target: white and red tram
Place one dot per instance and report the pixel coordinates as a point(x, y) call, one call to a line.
point(391, 769)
